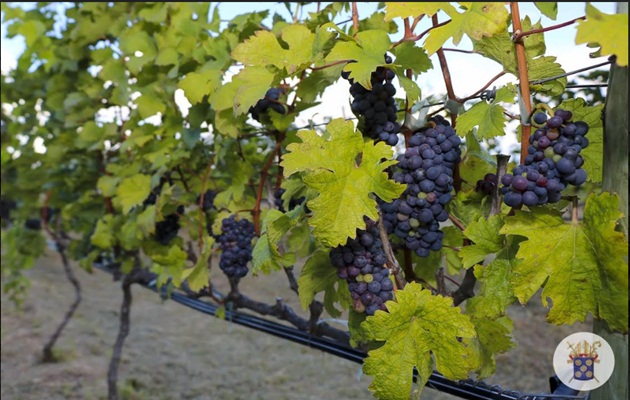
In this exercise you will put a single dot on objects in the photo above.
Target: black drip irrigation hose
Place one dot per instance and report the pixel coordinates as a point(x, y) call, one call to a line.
point(466, 389)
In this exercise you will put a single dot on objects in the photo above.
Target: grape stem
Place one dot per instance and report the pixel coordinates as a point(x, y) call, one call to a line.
point(263, 176)
point(355, 17)
point(392, 263)
point(457, 222)
point(518, 36)
point(523, 78)
point(574, 210)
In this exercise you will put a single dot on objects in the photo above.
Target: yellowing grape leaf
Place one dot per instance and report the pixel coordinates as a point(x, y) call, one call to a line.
point(368, 52)
point(495, 293)
point(610, 31)
point(481, 19)
point(318, 275)
point(263, 48)
point(345, 170)
point(422, 331)
point(581, 264)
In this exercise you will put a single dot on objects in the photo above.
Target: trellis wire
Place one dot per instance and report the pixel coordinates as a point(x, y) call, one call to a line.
point(465, 389)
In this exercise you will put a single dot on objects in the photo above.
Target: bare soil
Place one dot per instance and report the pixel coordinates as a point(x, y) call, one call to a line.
point(174, 352)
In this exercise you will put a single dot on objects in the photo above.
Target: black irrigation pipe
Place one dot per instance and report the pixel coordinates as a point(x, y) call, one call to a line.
point(468, 389)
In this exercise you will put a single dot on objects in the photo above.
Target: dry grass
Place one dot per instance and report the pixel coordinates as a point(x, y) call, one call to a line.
point(174, 352)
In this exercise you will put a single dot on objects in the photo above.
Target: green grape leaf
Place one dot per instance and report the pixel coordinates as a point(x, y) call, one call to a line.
point(495, 293)
point(199, 275)
point(318, 275)
point(481, 19)
point(149, 105)
point(410, 56)
point(266, 254)
point(422, 331)
point(146, 220)
point(251, 85)
point(580, 263)
point(546, 67)
point(609, 31)
point(196, 85)
point(489, 117)
point(103, 235)
point(415, 9)
point(133, 191)
point(484, 233)
point(594, 153)
point(368, 52)
point(548, 8)
point(107, 185)
point(493, 337)
point(344, 170)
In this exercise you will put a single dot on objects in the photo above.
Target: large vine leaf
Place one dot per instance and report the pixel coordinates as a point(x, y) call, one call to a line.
point(367, 51)
point(610, 31)
point(344, 170)
point(548, 8)
point(318, 275)
point(479, 20)
point(263, 48)
point(420, 331)
point(581, 264)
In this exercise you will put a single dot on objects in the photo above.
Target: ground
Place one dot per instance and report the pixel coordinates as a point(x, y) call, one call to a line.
point(174, 352)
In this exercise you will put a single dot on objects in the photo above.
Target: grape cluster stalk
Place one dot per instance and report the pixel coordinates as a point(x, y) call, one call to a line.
point(426, 168)
point(553, 161)
point(361, 262)
point(235, 241)
point(377, 106)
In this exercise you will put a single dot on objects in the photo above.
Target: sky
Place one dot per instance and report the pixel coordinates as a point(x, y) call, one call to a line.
point(469, 72)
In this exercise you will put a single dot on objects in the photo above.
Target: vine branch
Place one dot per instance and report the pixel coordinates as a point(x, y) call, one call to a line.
point(521, 60)
point(518, 36)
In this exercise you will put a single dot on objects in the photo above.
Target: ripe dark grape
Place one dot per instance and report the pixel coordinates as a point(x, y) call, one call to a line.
point(428, 172)
point(235, 241)
point(208, 200)
point(487, 184)
point(33, 223)
point(377, 106)
point(361, 263)
point(167, 229)
point(546, 173)
point(270, 101)
point(292, 203)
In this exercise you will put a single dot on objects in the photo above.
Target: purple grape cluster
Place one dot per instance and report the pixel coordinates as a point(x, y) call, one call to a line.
point(376, 106)
point(552, 163)
point(235, 241)
point(167, 229)
point(361, 263)
point(487, 184)
point(208, 200)
point(427, 169)
point(270, 101)
point(292, 202)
